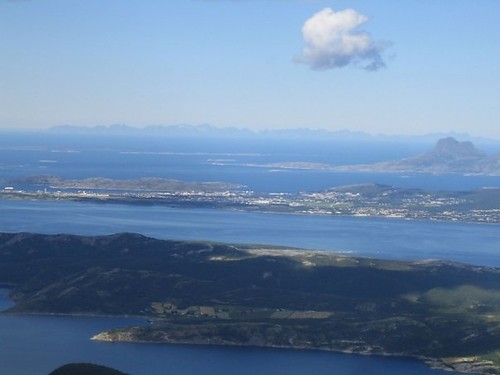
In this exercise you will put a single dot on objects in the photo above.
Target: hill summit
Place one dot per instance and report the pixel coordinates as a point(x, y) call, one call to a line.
point(450, 148)
point(447, 156)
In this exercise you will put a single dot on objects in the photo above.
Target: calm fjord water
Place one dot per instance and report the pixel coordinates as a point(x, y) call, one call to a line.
point(373, 237)
point(34, 345)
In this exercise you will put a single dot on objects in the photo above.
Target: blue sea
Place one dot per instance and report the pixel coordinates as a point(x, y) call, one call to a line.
point(230, 160)
point(35, 345)
point(371, 237)
point(32, 345)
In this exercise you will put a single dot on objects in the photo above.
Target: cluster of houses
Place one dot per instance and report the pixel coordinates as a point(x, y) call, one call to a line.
point(169, 308)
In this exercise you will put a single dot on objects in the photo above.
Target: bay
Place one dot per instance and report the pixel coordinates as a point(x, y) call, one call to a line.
point(35, 345)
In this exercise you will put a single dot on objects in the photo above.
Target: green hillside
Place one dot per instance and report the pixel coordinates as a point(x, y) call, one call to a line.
point(208, 293)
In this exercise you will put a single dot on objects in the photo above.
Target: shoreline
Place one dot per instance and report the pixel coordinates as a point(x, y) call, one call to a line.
point(464, 366)
point(459, 366)
point(261, 312)
point(379, 201)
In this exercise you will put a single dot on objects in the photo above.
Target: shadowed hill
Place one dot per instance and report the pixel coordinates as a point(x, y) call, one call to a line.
point(85, 369)
point(211, 293)
point(125, 273)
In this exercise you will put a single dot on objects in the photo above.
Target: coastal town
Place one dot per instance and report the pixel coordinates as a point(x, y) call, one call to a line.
point(365, 200)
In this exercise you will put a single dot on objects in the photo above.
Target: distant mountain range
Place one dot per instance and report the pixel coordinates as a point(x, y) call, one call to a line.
point(207, 130)
point(447, 156)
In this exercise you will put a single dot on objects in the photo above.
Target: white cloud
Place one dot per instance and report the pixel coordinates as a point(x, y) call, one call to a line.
point(333, 41)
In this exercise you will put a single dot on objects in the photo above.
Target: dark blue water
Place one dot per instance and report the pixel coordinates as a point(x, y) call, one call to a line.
point(35, 345)
point(233, 161)
point(32, 345)
point(373, 237)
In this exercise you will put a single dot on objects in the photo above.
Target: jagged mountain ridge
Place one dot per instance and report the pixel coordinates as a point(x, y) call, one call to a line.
point(209, 130)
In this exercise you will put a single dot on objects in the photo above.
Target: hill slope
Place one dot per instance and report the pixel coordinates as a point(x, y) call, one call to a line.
point(447, 156)
point(198, 292)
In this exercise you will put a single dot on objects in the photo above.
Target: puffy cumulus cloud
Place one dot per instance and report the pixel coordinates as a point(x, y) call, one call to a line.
point(332, 40)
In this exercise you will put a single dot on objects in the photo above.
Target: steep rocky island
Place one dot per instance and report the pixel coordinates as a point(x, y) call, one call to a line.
point(447, 314)
point(447, 156)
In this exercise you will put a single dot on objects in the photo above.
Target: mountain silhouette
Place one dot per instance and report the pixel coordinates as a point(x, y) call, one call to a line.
point(447, 156)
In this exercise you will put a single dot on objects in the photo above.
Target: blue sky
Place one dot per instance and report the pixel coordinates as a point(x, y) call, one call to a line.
point(388, 66)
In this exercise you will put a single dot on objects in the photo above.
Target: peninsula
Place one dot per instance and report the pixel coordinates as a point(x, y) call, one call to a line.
point(447, 314)
point(479, 206)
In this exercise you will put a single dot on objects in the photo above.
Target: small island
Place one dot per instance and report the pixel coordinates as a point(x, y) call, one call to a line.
point(446, 314)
